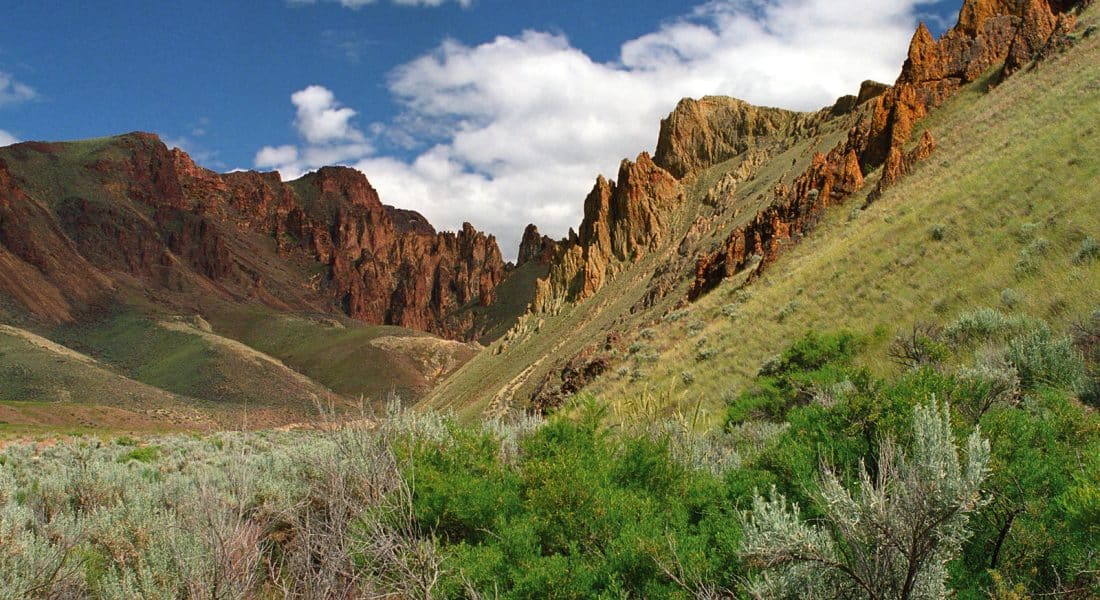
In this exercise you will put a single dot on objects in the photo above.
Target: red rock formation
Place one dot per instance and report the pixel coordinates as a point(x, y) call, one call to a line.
point(621, 223)
point(557, 387)
point(40, 268)
point(705, 132)
point(989, 33)
point(323, 242)
point(535, 247)
point(829, 180)
point(899, 164)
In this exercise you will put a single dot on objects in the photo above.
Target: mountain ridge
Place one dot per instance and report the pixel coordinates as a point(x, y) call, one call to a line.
point(182, 224)
point(745, 207)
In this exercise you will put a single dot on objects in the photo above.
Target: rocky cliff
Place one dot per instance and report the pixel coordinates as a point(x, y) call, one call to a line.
point(535, 247)
point(705, 132)
point(82, 223)
point(990, 34)
point(623, 220)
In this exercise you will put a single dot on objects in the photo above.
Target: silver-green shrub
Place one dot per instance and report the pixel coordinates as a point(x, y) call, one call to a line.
point(889, 538)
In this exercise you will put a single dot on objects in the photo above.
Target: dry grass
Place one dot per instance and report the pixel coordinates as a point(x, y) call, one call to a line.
point(1015, 180)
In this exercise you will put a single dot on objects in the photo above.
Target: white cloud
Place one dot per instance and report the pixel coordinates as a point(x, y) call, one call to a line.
point(517, 128)
point(355, 4)
point(273, 157)
point(321, 119)
point(7, 139)
point(327, 131)
point(14, 92)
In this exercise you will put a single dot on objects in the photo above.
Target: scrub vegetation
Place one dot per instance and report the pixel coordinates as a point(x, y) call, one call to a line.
point(974, 472)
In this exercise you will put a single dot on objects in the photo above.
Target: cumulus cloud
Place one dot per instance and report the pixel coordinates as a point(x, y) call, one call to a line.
point(515, 130)
point(355, 4)
point(321, 119)
point(14, 92)
point(326, 128)
point(7, 139)
point(272, 157)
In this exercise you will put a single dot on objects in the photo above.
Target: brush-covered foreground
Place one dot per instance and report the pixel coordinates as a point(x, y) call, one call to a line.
point(976, 467)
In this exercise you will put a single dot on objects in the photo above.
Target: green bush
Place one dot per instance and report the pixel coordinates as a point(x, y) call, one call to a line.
point(1042, 358)
point(145, 454)
point(584, 514)
point(814, 361)
point(983, 325)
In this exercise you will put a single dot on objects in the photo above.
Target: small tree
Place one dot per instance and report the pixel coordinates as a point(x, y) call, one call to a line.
point(889, 539)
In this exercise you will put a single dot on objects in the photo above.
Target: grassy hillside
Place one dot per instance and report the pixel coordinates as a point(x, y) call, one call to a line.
point(349, 357)
point(47, 387)
point(1003, 214)
point(539, 344)
point(236, 366)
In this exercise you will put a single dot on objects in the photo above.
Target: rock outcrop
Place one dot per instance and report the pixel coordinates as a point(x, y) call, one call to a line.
point(536, 248)
point(829, 180)
point(989, 33)
point(137, 215)
point(622, 222)
point(557, 387)
point(705, 132)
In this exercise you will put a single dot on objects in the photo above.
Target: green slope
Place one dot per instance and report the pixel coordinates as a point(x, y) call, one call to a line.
point(995, 217)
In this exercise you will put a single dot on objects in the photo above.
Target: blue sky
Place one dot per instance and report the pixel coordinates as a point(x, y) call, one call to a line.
point(498, 112)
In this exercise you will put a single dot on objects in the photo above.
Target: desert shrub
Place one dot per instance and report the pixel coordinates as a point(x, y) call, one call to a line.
point(938, 232)
point(788, 310)
point(1087, 252)
point(1011, 298)
point(705, 353)
point(981, 387)
point(729, 310)
point(1042, 358)
point(1026, 232)
point(36, 559)
point(890, 537)
point(920, 347)
point(648, 334)
point(687, 377)
point(675, 315)
point(983, 325)
point(1030, 258)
